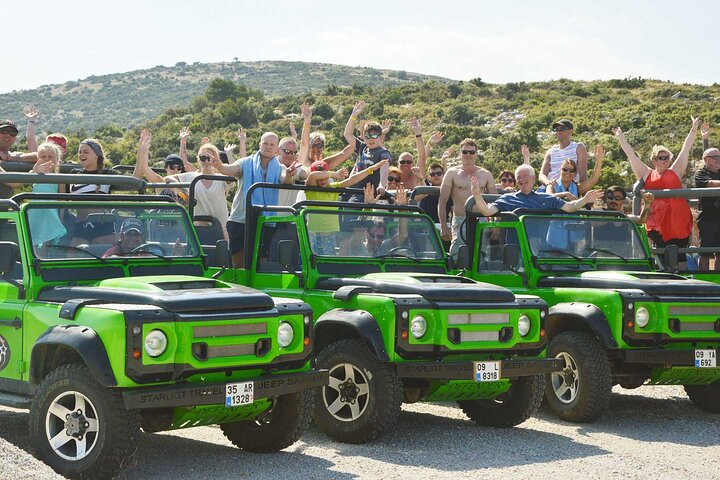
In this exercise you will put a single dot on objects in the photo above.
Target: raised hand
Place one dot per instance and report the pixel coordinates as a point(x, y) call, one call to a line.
point(705, 131)
point(306, 112)
point(293, 132)
point(593, 196)
point(415, 126)
point(696, 121)
point(341, 174)
point(436, 138)
point(184, 134)
point(648, 198)
point(618, 132)
point(401, 195)
point(242, 136)
point(599, 154)
point(386, 124)
point(229, 148)
point(358, 108)
point(31, 112)
point(145, 141)
point(205, 140)
point(475, 186)
point(369, 193)
point(525, 151)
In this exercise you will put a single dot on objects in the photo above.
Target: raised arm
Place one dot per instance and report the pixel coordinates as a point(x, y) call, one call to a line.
point(705, 133)
point(334, 160)
point(545, 170)
point(184, 134)
point(314, 177)
point(480, 205)
point(230, 170)
point(680, 164)
point(350, 126)
point(525, 152)
point(445, 191)
point(242, 142)
point(362, 174)
point(419, 144)
point(588, 199)
point(638, 167)
point(304, 155)
point(582, 162)
point(32, 114)
point(587, 184)
point(228, 149)
point(434, 139)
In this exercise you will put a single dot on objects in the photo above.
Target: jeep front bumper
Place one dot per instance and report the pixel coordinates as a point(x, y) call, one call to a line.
point(187, 395)
point(661, 356)
point(516, 367)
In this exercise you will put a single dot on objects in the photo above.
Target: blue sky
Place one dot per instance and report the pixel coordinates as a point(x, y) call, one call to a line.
point(499, 41)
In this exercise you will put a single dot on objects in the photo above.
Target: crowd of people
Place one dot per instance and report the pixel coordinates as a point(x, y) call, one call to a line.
point(563, 178)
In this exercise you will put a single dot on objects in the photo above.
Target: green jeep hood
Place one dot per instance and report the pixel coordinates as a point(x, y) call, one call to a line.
point(653, 283)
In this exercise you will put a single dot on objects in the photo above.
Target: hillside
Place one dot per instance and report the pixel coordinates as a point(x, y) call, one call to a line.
point(131, 98)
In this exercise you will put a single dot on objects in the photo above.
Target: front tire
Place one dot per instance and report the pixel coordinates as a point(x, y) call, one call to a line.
point(705, 397)
point(80, 428)
point(363, 398)
point(511, 408)
point(281, 426)
point(581, 392)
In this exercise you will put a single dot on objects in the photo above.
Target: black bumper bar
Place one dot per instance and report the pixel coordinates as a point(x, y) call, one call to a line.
point(660, 356)
point(517, 367)
point(188, 395)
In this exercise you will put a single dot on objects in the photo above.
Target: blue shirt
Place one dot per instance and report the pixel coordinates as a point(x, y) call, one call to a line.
point(535, 200)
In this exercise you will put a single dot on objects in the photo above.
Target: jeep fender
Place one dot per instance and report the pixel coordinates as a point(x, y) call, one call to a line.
point(580, 316)
point(73, 341)
point(338, 323)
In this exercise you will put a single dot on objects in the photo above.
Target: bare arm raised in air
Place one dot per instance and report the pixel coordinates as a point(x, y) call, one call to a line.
point(638, 167)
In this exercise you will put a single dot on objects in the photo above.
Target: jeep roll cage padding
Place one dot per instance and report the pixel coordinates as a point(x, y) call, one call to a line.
point(580, 316)
point(128, 183)
point(252, 211)
point(63, 344)
point(338, 324)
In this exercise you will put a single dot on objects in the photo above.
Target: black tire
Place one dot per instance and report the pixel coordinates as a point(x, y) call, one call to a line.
point(587, 370)
point(705, 397)
point(374, 394)
point(110, 438)
point(281, 426)
point(511, 408)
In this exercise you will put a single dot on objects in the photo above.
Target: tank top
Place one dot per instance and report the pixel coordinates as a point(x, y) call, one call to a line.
point(558, 155)
point(670, 217)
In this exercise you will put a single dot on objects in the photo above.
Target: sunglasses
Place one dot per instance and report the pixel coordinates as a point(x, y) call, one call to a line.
point(561, 129)
point(436, 174)
point(318, 145)
point(287, 151)
point(394, 179)
point(612, 197)
point(714, 157)
point(9, 132)
point(377, 236)
point(372, 135)
point(173, 167)
point(567, 170)
point(468, 152)
point(663, 158)
point(204, 158)
point(507, 180)
point(405, 162)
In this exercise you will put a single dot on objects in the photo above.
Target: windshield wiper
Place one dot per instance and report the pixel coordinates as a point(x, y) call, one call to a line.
point(563, 252)
point(604, 250)
point(77, 249)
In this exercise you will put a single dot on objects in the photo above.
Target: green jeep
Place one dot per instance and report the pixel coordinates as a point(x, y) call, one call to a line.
point(613, 318)
point(391, 324)
point(98, 340)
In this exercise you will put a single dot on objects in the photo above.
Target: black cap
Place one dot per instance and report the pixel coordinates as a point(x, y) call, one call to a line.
point(564, 123)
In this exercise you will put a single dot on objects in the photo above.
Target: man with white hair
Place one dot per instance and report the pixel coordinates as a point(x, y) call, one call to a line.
point(709, 218)
point(263, 166)
point(527, 197)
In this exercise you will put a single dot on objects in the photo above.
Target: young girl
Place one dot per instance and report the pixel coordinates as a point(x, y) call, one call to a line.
point(46, 226)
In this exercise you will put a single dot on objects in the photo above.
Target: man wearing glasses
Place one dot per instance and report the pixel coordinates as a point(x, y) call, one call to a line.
point(8, 135)
point(709, 218)
point(456, 186)
point(565, 148)
point(369, 151)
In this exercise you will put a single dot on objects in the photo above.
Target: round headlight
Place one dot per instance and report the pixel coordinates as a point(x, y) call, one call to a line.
point(155, 343)
point(418, 326)
point(523, 325)
point(285, 334)
point(642, 317)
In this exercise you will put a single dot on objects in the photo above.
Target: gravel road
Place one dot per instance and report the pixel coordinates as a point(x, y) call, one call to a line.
point(651, 432)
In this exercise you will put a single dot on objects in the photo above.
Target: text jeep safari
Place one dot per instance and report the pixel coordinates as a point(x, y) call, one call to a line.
point(613, 319)
point(391, 324)
point(98, 340)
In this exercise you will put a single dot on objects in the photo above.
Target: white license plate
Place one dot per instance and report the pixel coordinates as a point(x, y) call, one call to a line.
point(240, 393)
point(705, 358)
point(487, 371)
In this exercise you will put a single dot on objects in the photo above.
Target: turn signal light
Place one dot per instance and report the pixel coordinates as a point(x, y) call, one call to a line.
point(137, 354)
point(542, 332)
point(306, 342)
point(404, 335)
point(630, 324)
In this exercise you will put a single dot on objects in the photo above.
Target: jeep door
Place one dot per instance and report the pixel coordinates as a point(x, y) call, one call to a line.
point(11, 308)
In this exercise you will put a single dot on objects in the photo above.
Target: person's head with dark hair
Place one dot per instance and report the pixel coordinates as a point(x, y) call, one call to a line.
point(435, 174)
point(372, 133)
point(91, 156)
point(506, 180)
point(615, 198)
point(174, 164)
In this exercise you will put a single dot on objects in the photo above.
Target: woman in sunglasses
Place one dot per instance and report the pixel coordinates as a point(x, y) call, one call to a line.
point(670, 221)
point(567, 188)
point(505, 182)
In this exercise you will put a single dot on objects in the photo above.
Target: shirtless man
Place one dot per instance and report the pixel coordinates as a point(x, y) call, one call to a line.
point(456, 185)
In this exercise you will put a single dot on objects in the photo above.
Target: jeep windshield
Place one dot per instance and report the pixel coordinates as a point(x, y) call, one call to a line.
point(375, 234)
point(60, 231)
point(581, 238)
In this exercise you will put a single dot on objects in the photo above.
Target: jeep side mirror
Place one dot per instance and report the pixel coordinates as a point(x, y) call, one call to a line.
point(670, 258)
point(286, 254)
point(9, 254)
point(463, 259)
point(222, 253)
point(510, 256)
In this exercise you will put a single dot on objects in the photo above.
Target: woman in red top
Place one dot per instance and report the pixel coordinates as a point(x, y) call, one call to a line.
point(670, 221)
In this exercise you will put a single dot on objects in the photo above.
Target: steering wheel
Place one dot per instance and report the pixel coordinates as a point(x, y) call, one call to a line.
point(400, 248)
point(152, 248)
